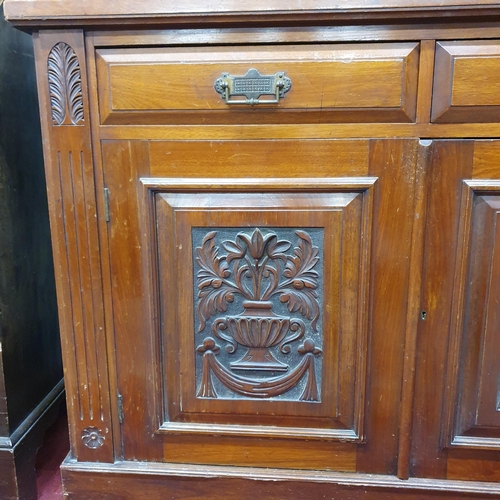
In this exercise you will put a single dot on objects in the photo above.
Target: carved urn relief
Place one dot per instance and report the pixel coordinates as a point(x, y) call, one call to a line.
point(257, 328)
point(271, 289)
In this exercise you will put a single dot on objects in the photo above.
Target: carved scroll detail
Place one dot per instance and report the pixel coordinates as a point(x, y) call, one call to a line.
point(257, 268)
point(65, 86)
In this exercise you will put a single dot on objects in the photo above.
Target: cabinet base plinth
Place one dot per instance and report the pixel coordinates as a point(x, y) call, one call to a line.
point(152, 481)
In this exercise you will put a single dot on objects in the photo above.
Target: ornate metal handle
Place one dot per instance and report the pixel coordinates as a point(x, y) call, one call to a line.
point(252, 86)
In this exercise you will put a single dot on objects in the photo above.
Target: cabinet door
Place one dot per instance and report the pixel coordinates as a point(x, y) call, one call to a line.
point(259, 299)
point(457, 409)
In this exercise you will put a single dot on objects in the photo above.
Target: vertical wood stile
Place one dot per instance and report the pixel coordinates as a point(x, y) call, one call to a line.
point(413, 313)
point(62, 85)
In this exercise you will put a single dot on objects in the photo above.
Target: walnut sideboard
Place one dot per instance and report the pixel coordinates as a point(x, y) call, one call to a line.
point(276, 234)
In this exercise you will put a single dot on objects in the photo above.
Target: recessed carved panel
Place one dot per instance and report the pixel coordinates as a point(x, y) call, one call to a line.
point(65, 86)
point(258, 295)
point(474, 361)
point(263, 301)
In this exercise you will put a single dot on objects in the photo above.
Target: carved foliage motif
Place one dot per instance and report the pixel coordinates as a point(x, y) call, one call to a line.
point(258, 257)
point(65, 86)
point(257, 274)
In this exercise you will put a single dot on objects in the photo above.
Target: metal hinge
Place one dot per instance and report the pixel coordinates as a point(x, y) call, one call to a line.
point(120, 408)
point(106, 204)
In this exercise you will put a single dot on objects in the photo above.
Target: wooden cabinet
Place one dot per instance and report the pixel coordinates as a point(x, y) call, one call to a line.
point(276, 254)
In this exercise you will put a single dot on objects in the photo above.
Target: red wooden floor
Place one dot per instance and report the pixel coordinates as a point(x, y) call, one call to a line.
point(50, 456)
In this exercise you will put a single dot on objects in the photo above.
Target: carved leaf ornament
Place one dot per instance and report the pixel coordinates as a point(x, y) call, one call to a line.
point(257, 268)
point(65, 86)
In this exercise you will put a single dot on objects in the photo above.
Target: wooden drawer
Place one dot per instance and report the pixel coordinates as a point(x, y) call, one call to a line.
point(330, 83)
point(467, 82)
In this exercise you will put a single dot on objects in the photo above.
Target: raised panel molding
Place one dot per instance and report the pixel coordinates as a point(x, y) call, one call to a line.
point(73, 217)
point(473, 417)
point(268, 308)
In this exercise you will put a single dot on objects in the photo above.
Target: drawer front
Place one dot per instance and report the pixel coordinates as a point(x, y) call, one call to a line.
point(467, 82)
point(343, 83)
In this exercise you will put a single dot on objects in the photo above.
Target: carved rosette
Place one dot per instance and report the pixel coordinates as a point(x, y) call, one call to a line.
point(92, 437)
point(259, 273)
point(65, 86)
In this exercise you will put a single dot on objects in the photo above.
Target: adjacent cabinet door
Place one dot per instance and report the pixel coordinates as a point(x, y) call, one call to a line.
point(457, 404)
point(260, 296)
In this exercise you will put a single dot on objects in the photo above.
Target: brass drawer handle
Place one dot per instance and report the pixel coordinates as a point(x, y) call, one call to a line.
point(252, 86)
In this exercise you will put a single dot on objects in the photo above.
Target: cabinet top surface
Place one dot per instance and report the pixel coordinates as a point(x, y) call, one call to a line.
point(53, 12)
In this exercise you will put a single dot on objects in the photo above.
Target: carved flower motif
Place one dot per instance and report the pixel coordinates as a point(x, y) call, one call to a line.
point(256, 243)
point(92, 437)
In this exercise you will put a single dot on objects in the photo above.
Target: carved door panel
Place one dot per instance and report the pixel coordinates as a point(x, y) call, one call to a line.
point(259, 299)
point(457, 419)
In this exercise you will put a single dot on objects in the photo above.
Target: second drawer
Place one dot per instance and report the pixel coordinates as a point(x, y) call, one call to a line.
point(467, 82)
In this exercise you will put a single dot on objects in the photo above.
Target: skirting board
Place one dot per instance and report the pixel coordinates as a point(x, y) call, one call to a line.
point(18, 451)
point(139, 480)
